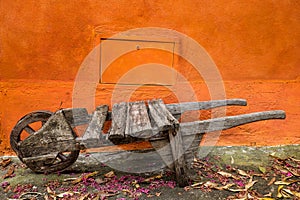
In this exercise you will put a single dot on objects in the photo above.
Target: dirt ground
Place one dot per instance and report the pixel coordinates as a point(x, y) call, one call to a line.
point(213, 179)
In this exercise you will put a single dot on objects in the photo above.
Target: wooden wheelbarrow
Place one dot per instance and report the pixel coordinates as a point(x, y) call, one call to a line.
point(55, 146)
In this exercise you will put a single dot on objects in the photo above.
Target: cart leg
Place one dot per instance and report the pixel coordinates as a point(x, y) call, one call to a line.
point(178, 157)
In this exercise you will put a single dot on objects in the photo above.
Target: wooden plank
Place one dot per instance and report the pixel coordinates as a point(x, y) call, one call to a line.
point(178, 157)
point(179, 108)
point(76, 116)
point(138, 123)
point(160, 116)
point(94, 130)
point(119, 114)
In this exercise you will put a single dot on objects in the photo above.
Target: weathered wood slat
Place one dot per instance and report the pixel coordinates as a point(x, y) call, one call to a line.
point(160, 116)
point(223, 123)
point(178, 108)
point(119, 114)
point(138, 123)
point(94, 130)
point(95, 126)
point(76, 116)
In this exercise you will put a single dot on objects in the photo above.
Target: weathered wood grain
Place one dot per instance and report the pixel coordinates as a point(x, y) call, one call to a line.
point(54, 137)
point(119, 114)
point(223, 123)
point(94, 130)
point(163, 148)
point(138, 123)
point(178, 158)
point(76, 116)
point(179, 108)
point(160, 116)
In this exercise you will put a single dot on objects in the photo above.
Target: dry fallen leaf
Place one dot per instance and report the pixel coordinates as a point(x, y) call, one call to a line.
point(197, 184)
point(287, 182)
point(5, 162)
point(86, 176)
point(152, 178)
point(210, 184)
point(285, 193)
point(225, 187)
point(109, 174)
point(50, 192)
point(293, 171)
point(9, 172)
point(272, 181)
point(157, 194)
point(250, 184)
point(268, 195)
point(242, 172)
point(227, 175)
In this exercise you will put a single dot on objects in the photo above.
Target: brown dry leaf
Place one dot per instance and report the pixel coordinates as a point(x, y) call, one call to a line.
point(288, 182)
point(197, 184)
point(250, 184)
point(272, 181)
point(50, 192)
point(78, 180)
point(268, 195)
point(5, 162)
point(152, 178)
point(109, 174)
point(69, 179)
point(157, 194)
point(9, 172)
point(294, 159)
point(293, 171)
point(227, 175)
point(296, 194)
point(126, 191)
point(210, 184)
point(225, 187)
point(235, 190)
point(242, 172)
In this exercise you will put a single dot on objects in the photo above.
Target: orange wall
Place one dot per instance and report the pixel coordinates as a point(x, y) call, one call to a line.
point(255, 45)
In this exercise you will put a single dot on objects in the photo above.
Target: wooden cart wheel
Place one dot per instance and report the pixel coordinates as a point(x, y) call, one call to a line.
point(29, 124)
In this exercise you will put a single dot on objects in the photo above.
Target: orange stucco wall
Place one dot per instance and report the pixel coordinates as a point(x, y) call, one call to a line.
point(255, 45)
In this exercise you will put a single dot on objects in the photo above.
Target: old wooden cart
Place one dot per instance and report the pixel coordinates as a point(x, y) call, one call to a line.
point(55, 145)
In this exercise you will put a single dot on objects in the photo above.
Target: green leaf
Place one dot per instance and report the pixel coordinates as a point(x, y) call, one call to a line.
point(262, 169)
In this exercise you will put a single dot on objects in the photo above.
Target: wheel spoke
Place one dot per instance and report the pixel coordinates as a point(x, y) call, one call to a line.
point(62, 157)
point(29, 130)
